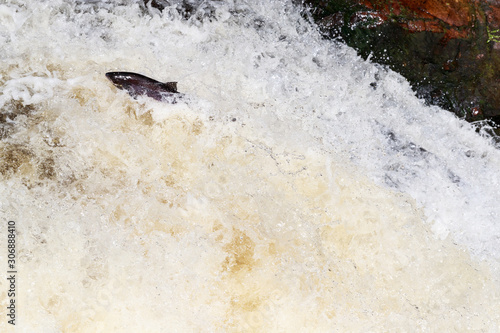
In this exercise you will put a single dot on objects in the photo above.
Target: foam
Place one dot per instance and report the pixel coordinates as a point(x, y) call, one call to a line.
point(260, 202)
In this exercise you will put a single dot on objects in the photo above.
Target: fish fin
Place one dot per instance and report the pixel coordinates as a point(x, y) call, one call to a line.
point(172, 86)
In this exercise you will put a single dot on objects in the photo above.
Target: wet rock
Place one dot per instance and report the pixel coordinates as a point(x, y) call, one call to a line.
point(454, 18)
point(197, 9)
point(448, 50)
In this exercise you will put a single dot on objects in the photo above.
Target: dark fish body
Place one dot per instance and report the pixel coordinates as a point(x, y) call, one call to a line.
point(137, 85)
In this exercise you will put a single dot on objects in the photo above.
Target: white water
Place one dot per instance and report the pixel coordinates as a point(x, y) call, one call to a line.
point(283, 194)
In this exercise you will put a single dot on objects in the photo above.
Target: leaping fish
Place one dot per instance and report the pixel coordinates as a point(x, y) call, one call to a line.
point(137, 84)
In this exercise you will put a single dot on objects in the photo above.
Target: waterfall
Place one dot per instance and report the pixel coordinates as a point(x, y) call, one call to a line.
point(295, 186)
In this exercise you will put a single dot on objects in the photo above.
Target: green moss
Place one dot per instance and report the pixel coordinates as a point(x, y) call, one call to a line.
point(493, 35)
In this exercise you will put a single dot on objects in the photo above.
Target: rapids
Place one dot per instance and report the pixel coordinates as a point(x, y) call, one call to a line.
point(296, 187)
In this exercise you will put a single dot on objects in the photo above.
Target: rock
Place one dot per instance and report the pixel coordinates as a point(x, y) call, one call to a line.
point(448, 50)
point(451, 17)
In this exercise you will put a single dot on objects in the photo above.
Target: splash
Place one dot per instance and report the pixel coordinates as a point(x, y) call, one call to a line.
point(296, 186)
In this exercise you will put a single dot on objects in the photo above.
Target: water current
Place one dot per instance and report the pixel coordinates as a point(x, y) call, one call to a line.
point(295, 187)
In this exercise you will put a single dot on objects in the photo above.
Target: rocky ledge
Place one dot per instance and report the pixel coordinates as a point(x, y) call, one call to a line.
point(449, 50)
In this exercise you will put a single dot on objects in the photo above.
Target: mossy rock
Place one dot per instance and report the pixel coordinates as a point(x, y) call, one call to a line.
point(458, 74)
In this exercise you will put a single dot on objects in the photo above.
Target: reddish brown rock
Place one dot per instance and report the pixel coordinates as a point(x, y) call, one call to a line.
point(492, 12)
point(449, 50)
point(453, 17)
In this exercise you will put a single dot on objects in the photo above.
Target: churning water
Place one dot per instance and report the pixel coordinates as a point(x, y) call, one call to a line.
point(295, 187)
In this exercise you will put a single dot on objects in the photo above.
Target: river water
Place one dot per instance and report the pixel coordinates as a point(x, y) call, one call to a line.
point(294, 187)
